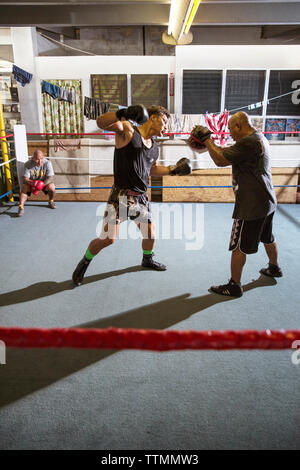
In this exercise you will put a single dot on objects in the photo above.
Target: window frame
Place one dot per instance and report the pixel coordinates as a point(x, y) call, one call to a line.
point(222, 70)
point(129, 85)
point(267, 71)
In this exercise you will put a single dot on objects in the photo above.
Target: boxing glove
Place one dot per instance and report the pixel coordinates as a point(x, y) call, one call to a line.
point(39, 185)
point(138, 114)
point(36, 186)
point(183, 167)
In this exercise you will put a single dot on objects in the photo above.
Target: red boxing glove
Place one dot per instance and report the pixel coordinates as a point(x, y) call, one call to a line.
point(32, 187)
point(39, 185)
point(36, 186)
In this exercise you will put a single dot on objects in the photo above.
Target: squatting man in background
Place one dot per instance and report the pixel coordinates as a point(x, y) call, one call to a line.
point(135, 159)
point(255, 200)
point(38, 176)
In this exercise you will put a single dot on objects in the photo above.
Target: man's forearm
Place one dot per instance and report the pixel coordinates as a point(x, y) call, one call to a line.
point(106, 120)
point(160, 170)
point(49, 180)
point(216, 153)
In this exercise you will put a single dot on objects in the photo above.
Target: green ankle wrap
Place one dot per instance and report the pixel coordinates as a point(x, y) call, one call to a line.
point(88, 255)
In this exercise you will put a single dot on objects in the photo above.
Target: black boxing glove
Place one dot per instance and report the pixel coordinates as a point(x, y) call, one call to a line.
point(183, 167)
point(138, 114)
point(201, 134)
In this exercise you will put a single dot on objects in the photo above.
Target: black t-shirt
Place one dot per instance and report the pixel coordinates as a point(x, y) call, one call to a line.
point(252, 179)
point(132, 164)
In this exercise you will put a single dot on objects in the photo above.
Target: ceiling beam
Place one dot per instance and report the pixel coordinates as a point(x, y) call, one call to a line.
point(92, 15)
point(115, 3)
point(271, 32)
point(246, 13)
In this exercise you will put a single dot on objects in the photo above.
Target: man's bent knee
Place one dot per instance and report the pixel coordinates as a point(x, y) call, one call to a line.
point(25, 188)
point(50, 187)
point(106, 239)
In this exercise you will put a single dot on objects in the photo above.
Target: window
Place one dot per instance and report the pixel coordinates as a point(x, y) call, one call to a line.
point(284, 81)
point(201, 91)
point(149, 90)
point(110, 88)
point(145, 89)
point(244, 87)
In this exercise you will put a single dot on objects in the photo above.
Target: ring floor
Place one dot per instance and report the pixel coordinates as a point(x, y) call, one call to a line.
point(93, 399)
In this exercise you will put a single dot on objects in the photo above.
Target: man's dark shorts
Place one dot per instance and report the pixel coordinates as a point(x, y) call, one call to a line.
point(247, 234)
point(124, 203)
point(44, 191)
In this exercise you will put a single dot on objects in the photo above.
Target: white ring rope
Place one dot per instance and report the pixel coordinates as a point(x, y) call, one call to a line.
point(5, 163)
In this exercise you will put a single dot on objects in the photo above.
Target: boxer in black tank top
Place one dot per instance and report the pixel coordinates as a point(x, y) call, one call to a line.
point(133, 163)
point(135, 158)
point(132, 166)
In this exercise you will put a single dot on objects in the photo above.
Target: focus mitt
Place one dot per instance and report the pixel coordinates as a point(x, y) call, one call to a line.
point(198, 136)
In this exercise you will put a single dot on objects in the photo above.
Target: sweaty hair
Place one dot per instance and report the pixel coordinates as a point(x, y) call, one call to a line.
point(158, 110)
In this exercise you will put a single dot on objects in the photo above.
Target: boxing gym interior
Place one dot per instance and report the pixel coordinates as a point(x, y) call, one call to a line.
point(135, 358)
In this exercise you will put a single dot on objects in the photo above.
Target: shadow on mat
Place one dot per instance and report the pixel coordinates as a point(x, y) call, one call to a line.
point(5, 208)
point(15, 207)
point(47, 288)
point(29, 370)
point(292, 219)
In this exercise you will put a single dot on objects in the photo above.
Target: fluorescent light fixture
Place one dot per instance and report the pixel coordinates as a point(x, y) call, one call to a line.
point(192, 16)
point(187, 17)
point(172, 16)
point(182, 13)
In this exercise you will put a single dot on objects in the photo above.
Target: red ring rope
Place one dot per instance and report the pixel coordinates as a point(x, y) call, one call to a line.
point(165, 133)
point(6, 136)
point(155, 340)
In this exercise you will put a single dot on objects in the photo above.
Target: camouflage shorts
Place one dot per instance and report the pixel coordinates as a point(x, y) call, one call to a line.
point(124, 203)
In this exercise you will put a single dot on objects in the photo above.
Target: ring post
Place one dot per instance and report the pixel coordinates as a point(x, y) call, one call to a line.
point(5, 155)
point(21, 149)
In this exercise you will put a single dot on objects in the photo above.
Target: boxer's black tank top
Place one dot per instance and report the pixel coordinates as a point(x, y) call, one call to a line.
point(132, 164)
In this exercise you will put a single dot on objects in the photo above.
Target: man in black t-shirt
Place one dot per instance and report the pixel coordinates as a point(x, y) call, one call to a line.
point(255, 202)
point(135, 159)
